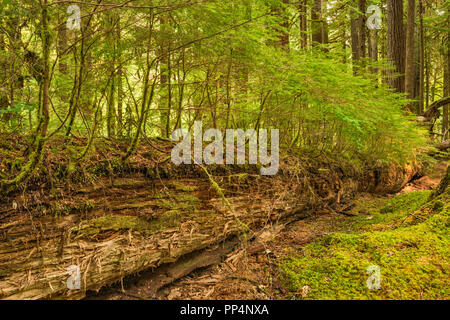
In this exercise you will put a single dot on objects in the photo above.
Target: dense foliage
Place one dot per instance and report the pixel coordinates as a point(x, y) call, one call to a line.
point(143, 68)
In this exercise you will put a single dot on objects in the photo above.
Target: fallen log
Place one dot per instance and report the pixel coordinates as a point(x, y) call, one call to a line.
point(36, 251)
point(126, 226)
point(168, 273)
point(154, 281)
point(433, 111)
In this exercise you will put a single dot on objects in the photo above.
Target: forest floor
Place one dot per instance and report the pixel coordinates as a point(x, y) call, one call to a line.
point(285, 267)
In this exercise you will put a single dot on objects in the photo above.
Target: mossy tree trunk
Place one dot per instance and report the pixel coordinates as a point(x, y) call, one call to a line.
point(443, 185)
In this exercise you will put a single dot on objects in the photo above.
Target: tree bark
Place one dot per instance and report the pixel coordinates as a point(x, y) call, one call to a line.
point(316, 23)
point(164, 77)
point(446, 64)
point(120, 93)
point(433, 111)
point(62, 46)
point(396, 44)
point(427, 81)
point(284, 34)
point(443, 185)
point(422, 61)
point(355, 42)
point(409, 64)
point(303, 23)
point(362, 29)
point(374, 49)
point(324, 25)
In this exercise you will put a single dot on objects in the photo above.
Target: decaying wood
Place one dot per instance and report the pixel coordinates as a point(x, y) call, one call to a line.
point(134, 224)
point(35, 251)
point(168, 273)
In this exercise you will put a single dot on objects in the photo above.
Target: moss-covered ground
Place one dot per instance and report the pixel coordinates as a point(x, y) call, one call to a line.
point(406, 236)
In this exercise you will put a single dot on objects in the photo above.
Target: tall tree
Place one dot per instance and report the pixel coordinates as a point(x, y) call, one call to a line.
point(445, 120)
point(281, 11)
point(44, 110)
point(410, 48)
point(362, 29)
point(316, 22)
point(373, 48)
point(303, 10)
point(324, 26)
point(396, 44)
point(354, 41)
point(421, 60)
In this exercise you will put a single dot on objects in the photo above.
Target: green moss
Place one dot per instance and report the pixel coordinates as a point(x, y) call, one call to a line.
point(384, 214)
point(16, 164)
point(183, 202)
point(63, 210)
point(114, 223)
point(406, 202)
point(438, 205)
point(170, 218)
point(71, 168)
point(413, 257)
point(181, 187)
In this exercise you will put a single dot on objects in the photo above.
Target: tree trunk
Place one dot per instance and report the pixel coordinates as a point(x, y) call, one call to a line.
point(284, 34)
point(303, 24)
point(410, 48)
point(316, 23)
point(362, 29)
point(46, 47)
point(433, 111)
point(324, 26)
point(62, 46)
point(421, 61)
point(446, 65)
point(40, 140)
point(164, 77)
point(355, 42)
point(373, 53)
point(396, 44)
point(427, 81)
point(443, 185)
point(120, 93)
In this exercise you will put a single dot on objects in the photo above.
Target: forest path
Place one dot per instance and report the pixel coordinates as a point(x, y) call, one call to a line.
point(252, 271)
